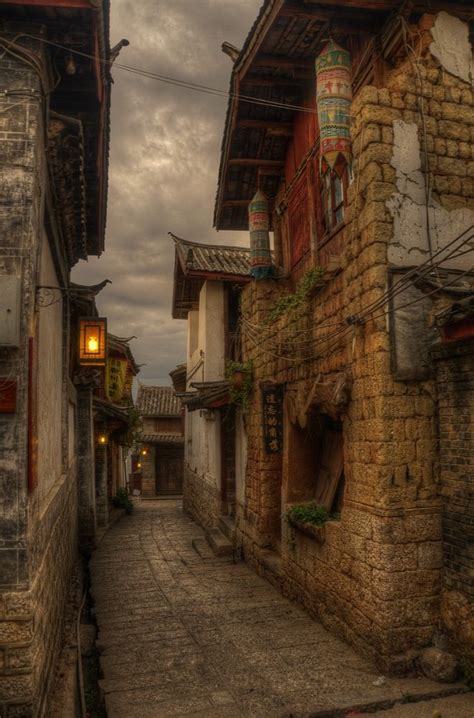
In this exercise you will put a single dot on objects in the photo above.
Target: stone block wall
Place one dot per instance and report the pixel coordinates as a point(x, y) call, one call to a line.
point(38, 539)
point(201, 498)
point(376, 578)
point(455, 374)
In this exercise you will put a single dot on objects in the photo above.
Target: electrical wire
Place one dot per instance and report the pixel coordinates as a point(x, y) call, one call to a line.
point(421, 271)
point(185, 84)
point(257, 339)
point(10, 107)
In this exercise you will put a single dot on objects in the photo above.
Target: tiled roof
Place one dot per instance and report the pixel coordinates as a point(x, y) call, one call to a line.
point(158, 401)
point(195, 257)
point(162, 438)
point(207, 394)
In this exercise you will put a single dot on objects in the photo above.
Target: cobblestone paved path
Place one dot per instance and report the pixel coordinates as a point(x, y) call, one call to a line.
point(188, 635)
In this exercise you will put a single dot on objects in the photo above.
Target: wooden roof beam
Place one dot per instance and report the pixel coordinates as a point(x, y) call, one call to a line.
point(382, 5)
point(282, 61)
point(273, 129)
point(255, 162)
point(263, 81)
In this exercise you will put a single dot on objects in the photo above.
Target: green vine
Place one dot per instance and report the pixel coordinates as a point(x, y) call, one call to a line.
point(292, 301)
point(239, 397)
point(134, 427)
point(308, 514)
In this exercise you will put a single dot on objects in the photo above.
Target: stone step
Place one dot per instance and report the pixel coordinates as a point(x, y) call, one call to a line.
point(227, 526)
point(202, 548)
point(219, 543)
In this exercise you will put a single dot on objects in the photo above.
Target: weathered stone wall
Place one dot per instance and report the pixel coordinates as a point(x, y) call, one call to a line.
point(376, 578)
point(201, 499)
point(455, 374)
point(38, 540)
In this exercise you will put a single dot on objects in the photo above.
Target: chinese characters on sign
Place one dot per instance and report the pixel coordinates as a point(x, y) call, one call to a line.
point(272, 396)
point(116, 379)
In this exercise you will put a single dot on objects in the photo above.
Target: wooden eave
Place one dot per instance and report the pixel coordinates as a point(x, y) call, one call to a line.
point(277, 64)
point(84, 96)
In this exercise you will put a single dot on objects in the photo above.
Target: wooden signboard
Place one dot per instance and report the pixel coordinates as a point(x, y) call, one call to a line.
point(272, 397)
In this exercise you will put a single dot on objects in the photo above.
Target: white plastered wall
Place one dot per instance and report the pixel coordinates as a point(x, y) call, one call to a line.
point(50, 382)
point(205, 362)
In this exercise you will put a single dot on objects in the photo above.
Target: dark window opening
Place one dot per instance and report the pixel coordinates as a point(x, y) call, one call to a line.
point(333, 193)
point(316, 469)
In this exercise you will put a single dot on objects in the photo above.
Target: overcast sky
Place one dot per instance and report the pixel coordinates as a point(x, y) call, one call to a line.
point(165, 147)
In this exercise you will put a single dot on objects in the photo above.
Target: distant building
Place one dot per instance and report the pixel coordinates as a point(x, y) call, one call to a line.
point(207, 283)
point(157, 467)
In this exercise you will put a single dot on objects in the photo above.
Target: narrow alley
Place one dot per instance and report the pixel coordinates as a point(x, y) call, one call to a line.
point(182, 632)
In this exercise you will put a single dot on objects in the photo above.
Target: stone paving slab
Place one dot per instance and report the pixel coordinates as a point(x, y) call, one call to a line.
point(187, 634)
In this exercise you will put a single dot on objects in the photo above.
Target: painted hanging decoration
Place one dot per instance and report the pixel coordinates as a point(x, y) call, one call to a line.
point(334, 97)
point(259, 227)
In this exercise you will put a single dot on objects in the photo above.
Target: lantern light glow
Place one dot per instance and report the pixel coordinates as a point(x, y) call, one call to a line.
point(92, 341)
point(102, 439)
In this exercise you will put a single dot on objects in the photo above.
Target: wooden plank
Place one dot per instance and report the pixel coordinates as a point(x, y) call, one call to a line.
point(332, 467)
point(382, 5)
point(282, 62)
point(255, 162)
point(271, 128)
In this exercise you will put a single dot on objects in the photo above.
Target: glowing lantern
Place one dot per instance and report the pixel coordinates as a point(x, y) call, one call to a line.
point(102, 439)
point(144, 452)
point(92, 341)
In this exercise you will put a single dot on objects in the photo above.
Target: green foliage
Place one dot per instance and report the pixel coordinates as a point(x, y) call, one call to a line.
point(134, 427)
point(239, 397)
point(121, 501)
point(293, 301)
point(308, 514)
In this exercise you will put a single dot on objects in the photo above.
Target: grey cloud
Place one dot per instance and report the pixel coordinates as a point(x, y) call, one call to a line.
point(163, 165)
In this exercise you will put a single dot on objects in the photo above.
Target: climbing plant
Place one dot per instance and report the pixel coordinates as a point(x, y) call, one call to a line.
point(293, 301)
point(241, 389)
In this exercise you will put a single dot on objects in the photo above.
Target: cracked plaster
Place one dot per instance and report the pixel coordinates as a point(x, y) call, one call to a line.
point(409, 246)
point(451, 46)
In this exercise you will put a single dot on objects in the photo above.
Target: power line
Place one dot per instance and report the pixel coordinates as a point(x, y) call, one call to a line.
point(185, 84)
point(422, 271)
point(338, 335)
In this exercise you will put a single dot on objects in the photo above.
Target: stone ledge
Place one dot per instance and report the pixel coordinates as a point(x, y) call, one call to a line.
point(318, 533)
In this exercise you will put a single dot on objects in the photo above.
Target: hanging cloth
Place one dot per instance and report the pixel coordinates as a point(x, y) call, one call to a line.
point(333, 98)
point(259, 228)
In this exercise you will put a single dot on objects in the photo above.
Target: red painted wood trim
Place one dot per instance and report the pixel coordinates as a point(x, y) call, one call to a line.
point(50, 3)
point(7, 395)
point(463, 329)
point(32, 418)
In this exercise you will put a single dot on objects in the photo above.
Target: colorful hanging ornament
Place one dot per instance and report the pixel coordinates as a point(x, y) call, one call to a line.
point(334, 97)
point(259, 227)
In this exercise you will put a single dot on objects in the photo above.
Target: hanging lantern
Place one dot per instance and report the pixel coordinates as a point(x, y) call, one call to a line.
point(259, 227)
point(144, 451)
point(102, 439)
point(92, 341)
point(334, 97)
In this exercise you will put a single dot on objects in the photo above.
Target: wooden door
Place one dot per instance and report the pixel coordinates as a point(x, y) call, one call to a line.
point(169, 470)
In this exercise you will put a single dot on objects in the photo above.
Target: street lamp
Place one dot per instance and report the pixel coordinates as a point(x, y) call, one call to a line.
point(92, 341)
